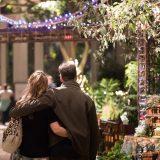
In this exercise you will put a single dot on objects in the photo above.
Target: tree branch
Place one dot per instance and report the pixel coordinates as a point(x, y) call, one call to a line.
point(73, 50)
point(84, 57)
point(64, 51)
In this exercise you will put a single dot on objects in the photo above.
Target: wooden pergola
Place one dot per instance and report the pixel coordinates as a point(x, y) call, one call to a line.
point(40, 35)
point(49, 31)
point(68, 33)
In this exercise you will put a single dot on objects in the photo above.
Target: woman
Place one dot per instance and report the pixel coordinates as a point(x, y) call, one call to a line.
point(35, 127)
point(5, 101)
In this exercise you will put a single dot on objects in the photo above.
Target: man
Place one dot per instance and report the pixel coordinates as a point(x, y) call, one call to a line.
point(6, 95)
point(51, 84)
point(75, 110)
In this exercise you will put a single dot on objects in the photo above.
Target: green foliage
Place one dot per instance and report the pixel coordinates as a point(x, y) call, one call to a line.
point(104, 92)
point(110, 100)
point(115, 153)
point(111, 111)
point(116, 101)
point(47, 9)
point(131, 82)
point(53, 7)
point(52, 53)
point(34, 10)
point(131, 76)
point(120, 21)
point(154, 84)
point(109, 87)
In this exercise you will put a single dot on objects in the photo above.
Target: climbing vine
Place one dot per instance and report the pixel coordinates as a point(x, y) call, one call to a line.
point(111, 23)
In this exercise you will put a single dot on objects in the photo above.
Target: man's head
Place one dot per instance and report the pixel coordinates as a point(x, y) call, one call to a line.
point(50, 79)
point(67, 71)
point(5, 86)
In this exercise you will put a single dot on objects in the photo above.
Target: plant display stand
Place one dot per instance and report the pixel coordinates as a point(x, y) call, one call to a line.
point(112, 131)
point(153, 116)
point(142, 148)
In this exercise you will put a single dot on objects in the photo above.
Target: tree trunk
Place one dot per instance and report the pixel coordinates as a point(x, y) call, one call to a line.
point(68, 50)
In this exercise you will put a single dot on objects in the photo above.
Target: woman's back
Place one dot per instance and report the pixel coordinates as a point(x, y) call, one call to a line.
point(35, 133)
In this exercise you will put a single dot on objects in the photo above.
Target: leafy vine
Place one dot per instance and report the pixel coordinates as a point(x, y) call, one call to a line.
point(119, 22)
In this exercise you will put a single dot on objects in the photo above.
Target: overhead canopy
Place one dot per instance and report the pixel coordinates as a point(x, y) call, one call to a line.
point(40, 35)
point(55, 29)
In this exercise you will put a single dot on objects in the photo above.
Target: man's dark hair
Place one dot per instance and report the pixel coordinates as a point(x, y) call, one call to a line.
point(68, 70)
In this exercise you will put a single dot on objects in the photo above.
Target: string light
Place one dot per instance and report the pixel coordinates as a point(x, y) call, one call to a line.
point(57, 22)
point(8, 20)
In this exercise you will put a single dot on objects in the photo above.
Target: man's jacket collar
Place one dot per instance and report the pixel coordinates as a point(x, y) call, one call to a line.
point(70, 84)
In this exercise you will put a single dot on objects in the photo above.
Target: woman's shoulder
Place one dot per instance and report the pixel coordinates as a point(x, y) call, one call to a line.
point(45, 111)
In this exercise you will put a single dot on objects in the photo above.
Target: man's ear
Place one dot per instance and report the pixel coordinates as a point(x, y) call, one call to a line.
point(61, 78)
point(76, 77)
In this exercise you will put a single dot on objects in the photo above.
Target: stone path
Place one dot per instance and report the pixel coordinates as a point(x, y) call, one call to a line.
point(3, 155)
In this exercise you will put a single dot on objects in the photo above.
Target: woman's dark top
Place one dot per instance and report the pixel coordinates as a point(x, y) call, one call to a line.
point(35, 133)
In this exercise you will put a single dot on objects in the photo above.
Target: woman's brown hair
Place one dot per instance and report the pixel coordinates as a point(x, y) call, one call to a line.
point(36, 86)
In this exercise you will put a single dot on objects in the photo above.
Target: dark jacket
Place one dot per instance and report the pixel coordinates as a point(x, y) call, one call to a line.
point(77, 113)
point(35, 133)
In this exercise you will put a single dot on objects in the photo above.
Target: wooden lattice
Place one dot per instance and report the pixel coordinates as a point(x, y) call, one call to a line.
point(143, 63)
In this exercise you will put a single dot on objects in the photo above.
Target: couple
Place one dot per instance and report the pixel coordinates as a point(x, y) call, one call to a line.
point(69, 113)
